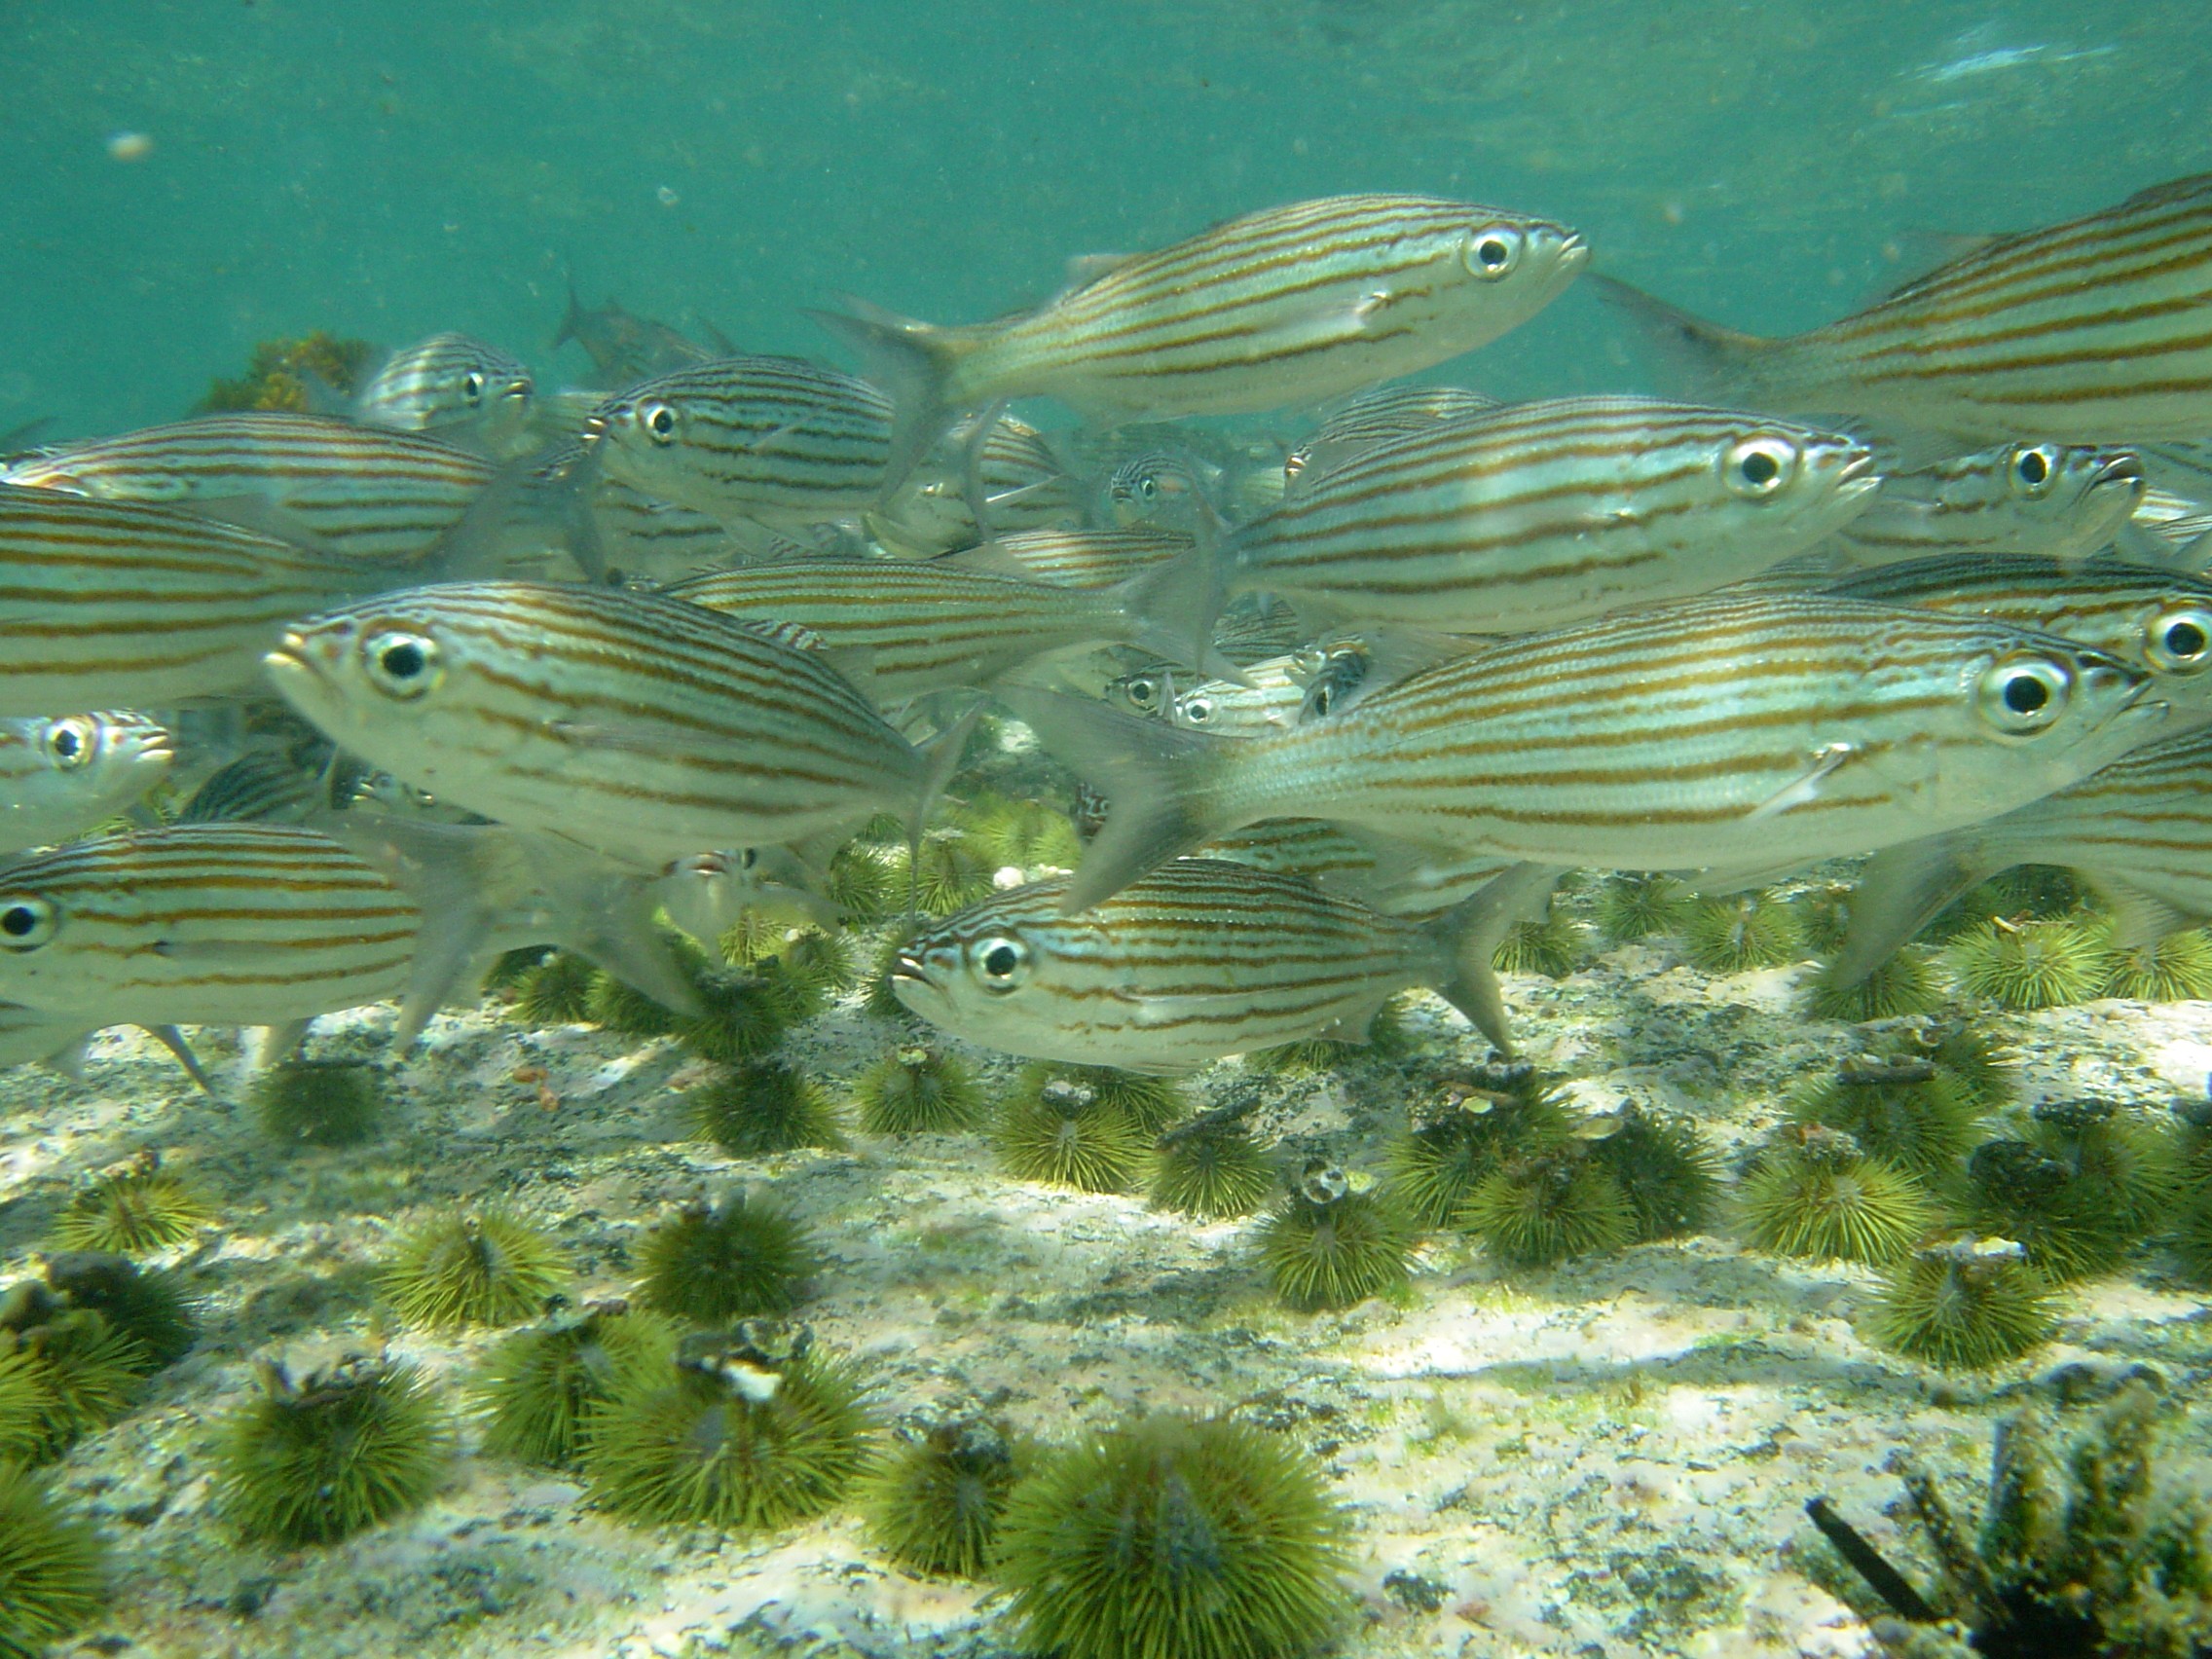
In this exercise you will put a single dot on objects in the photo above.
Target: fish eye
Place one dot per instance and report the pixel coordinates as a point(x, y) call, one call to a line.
point(2034, 466)
point(2021, 696)
point(659, 420)
point(1001, 963)
point(1758, 467)
point(70, 744)
point(1494, 252)
point(748, 857)
point(1142, 692)
point(1321, 701)
point(27, 922)
point(2180, 641)
point(472, 388)
point(1196, 711)
point(400, 663)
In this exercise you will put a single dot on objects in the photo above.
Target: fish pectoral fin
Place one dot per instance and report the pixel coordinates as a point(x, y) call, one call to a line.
point(1826, 762)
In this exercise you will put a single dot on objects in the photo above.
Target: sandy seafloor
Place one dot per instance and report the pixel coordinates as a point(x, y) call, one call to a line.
point(1608, 1458)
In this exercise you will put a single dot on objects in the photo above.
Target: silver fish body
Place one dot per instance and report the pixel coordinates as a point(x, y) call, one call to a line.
point(362, 493)
point(1016, 480)
point(1078, 558)
point(2140, 829)
point(625, 348)
point(775, 441)
point(105, 603)
point(59, 777)
point(2158, 624)
point(1291, 305)
point(1200, 959)
point(453, 386)
point(1532, 515)
point(1377, 417)
point(1391, 876)
point(2097, 330)
point(641, 726)
point(240, 924)
point(2056, 501)
point(1158, 491)
point(1721, 732)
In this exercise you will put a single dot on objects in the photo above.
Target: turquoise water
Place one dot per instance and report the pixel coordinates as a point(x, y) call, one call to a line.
point(387, 171)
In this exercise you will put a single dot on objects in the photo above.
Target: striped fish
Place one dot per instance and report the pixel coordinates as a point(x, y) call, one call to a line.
point(625, 348)
point(2139, 830)
point(1391, 876)
point(1158, 491)
point(2098, 330)
point(2056, 501)
point(2171, 531)
point(1320, 680)
point(460, 389)
point(924, 625)
point(60, 777)
point(102, 603)
point(642, 727)
point(1719, 732)
point(2157, 624)
point(773, 441)
point(614, 533)
point(236, 924)
point(1377, 417)
point(1537, 514)
point(1202, 958)
point(259, 787)
point(359, 491)
point(1016, 480)
point(1076, 558)
point(1290, 305)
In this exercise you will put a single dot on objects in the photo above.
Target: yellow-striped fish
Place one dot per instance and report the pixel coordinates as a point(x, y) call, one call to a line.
point(1722, 731)
point(641, 726)
point(1076, 558)
point(2098, 330)
point(1013, 479)
point(1290, 305)
point(1202, 958)
point(104, 603)
point(463, 390)
point(1530, 515)
point(59, 777)
point(1377, 417)
point(360, 491)
point(2055, 500)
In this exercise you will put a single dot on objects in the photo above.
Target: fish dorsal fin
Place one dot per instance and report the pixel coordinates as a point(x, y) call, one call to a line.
point(1920, 254)
point(2173, 190)
point(1085, 268)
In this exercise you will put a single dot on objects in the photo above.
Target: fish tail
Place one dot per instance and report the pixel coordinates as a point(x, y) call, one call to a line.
point(1162, 781)
point(912, 362)
point(941, 758)
point(521, 512)
point(1695, 358)
point(1901, 888)
point(570, 319)
point(1467, 936)
point(1172, 610)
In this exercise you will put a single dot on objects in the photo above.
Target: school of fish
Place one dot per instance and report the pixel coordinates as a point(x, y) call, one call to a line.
point(306, 712)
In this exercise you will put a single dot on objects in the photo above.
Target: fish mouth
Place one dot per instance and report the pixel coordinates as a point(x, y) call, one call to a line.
point(2121, 468)
point(909, 969)
point(594, 429)
point(1574, 251)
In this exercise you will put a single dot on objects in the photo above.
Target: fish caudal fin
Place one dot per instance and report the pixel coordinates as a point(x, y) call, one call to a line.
point(1160, 780)
point(1470, 934)
point(912, 362)
point(1901, 888)
point(1695, 358)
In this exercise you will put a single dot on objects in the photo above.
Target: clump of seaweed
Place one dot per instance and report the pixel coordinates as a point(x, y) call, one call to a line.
point(1637, 905)
point(1542, 1210)
point(2024, 965)
point(2082, 1552)
point(1740, 932)
point(1664, 1168)
point(1477, 1121)
point(556, 991)
point(540, 1386)
point(1904, 983)
point(1062, 1132)
point(1907, 1111)
point(472, 1267)
point(758, 1107)
point(334, 1102)
point(917, 1090)
point(710, 1262)
point(1963, 1305)
point(1332, 1243)
point(937, 1503)
point(132, 1208)
point(281, 374)
point(316, 1459)
point(746, 1429)
point(1815, 1194)
point(1210, 1167)
point(2177, 967)
point(51, 1568)
point(1176, 1538)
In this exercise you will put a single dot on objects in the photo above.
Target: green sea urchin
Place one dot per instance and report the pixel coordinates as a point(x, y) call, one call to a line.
point(1636, 905)
point(51, 1569)
point(1964, 1306)
point(557, 991)
point(1901, 984)
point(917, 1090)
point(2031, 964)
point(538, 1386)
point(1549, 945)
point(759, 1107)
point(710, 1262)
point(747, 1429)
point(1471, 1129)
point(1060, 1134)
point(334, 1102)
point(146, 1306)
point(1907, 1112)
point(472, 1267)
point(937, 1503)
point(1815, 1194)
point(1329, 1244)
point(1211, 1168)
point(2177, 967)
point(130, 1209)
point(315, 1459)
point(1176, 1538)
point(742, 1017)
point(1541, 1209)
point(1740, 932)
point(1664, 1168)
